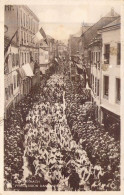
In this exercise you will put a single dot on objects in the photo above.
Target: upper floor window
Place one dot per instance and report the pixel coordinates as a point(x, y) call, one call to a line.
point(21, 19)
point(106, 53)
point(92, 58)
point(98, 87)
point(25, 58)
point(118, 53)
point(17, 59)
point(106, 87)
point(118, 85)
point(14, 79)
point(22, 37)
point(95, 84)
point(12, 89)
point(17, 80)
point(24, 20)
point(6, 93)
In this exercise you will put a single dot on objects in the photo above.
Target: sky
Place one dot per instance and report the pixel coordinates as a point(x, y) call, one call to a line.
point(59, 20)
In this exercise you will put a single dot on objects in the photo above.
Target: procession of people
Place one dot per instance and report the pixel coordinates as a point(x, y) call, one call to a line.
point(52, 143)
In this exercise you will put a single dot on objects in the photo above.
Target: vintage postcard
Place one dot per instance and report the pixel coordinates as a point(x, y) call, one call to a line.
point(61, 96)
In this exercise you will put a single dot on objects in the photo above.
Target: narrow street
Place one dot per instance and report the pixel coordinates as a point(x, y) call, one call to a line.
point(49, 141)
point(58, 146)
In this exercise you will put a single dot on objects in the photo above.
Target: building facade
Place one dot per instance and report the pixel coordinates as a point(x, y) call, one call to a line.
point(95, 59)
point(22, 24)
point(11, 76)
point(105, 60)
point(110, 74)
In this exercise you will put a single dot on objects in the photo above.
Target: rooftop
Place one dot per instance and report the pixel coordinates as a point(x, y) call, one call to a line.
point(114, 23)
point(104, 21)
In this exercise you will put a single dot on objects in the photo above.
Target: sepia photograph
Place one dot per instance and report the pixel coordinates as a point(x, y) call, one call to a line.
point(62, 97)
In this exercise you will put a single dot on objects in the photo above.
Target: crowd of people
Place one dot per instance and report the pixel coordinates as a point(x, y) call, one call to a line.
point(102, 149)
point(14, 136)
point(51, 144)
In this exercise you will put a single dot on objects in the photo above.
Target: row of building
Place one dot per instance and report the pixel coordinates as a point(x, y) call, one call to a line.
point(25, 60)
point(99, 47)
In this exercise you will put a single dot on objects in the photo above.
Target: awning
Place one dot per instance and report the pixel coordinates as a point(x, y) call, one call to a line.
point(28, 70)
point(21, 73)
point(32, 66)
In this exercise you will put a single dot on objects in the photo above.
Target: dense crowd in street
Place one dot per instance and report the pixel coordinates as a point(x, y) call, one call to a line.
point(53, 143)
point(102, 149)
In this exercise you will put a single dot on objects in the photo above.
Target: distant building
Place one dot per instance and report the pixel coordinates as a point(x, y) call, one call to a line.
point(62, 49)
point(43, 57)
point(75, 41)
point(47, 53)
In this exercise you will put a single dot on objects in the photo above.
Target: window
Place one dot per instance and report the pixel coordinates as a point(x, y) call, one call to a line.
point(91, 79)
point(21, 19)
point(96, 56)
point(117, 90)
point(13, 60)
point(27, 21)
point(98, 87)
point(22, 37)
point(6, 93)
point(106, 53)
point(17, 59)
point(24, 19)
point(14, 78)
point(118, 53)
point(12, 89)
point(17, 80)
point(25, 58)
point(98, 60)
point(27, 37)
point(22, 58)
point(92, 58)
point(95, 84)
point(106, 86)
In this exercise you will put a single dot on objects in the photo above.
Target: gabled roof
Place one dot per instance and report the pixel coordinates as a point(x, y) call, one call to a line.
point(112, 13)
point(92, 31)
point(114, 23)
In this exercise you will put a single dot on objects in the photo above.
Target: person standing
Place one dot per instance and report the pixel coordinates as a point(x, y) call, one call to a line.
point(74, 180)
